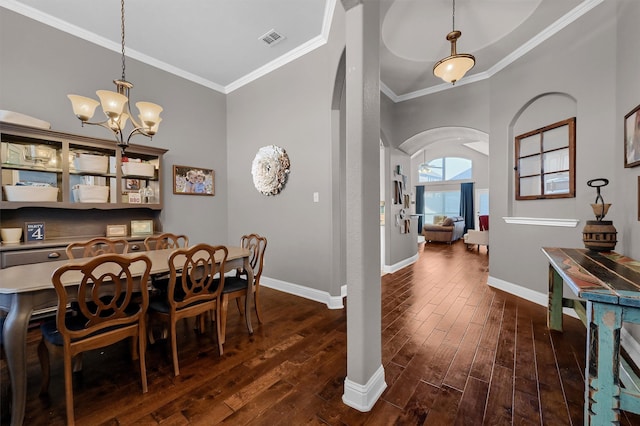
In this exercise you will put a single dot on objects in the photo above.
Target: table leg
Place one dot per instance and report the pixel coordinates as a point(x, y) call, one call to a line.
point(15, 345)
point(602, 384)
point(248, 303)
point(554, 313)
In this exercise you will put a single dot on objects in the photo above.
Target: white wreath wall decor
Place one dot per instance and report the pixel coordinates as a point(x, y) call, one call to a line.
point(270, 168)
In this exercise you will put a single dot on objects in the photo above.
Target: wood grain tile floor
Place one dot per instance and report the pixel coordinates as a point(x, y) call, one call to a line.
point(455, 352)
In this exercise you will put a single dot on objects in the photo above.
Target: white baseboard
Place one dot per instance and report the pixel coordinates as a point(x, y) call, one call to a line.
point(390, 269)
point(541, 299)
point(332, 302)
point(363, 397)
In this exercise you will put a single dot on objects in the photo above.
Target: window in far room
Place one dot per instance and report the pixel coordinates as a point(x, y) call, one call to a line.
point(441, 203)
point(445, 169)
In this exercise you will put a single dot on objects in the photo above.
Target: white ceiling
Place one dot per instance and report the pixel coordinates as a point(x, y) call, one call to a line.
point(217, 43)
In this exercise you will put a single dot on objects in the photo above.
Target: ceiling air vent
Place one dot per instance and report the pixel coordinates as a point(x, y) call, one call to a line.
point(272, 38)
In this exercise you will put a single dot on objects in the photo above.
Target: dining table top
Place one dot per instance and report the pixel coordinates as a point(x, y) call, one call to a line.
point(37, 276)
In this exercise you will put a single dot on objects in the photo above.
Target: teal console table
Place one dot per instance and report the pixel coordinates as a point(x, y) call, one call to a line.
point(607, 285)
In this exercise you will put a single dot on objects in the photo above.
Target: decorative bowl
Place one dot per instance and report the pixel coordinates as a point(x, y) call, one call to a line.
point(11, 235)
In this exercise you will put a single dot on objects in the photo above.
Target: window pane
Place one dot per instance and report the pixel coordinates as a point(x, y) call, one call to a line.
point(556, 160)
point(435, 167)
point(457, 168)
point(452, 203)
point(555, 138)
point(556, 183)
point(427, 174)
point(484, 204)
point(530, 145)
point(530, 186)
point(529, 166)
point(441, 203)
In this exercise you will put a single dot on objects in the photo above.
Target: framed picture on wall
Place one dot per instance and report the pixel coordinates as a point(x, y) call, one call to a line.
point(632, 138)
point(193, 180)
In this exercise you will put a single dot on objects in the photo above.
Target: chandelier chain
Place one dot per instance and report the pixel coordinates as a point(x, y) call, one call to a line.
point(122, 37)
point(453, 18)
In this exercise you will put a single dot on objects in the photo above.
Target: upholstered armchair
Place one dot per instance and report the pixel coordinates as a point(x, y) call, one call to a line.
point(444, 229)
point(481, 237)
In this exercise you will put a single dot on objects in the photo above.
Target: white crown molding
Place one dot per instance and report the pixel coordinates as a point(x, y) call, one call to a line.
point(301, 50)
point(548, 32)
point(116, 47)
point(542, 221)
point(296, 53)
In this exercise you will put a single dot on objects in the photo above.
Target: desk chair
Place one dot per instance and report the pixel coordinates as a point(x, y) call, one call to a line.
point(236, 287)
point(108, 312)
point(192, 290)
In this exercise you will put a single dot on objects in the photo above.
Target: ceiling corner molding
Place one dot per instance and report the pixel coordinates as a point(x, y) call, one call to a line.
point(548, 32)
point(542, 221)
point(59, 24)
point(68, 28)
point(390, 94)
point(301, 50)
point(444, 86)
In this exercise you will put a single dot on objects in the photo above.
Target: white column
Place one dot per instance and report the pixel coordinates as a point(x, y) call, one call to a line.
point(365, 375)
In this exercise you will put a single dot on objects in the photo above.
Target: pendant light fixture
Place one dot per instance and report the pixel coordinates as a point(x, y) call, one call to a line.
point(454, 67)
point(115, 106)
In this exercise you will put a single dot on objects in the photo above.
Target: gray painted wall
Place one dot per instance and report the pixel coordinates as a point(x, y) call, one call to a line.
point(627, 98)
point(290, 107)
point(552, 68)
point(38, 71)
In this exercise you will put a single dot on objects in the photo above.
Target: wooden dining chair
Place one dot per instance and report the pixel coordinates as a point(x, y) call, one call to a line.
point(5, 388)
point(92, 248)
point(192, 290)
point(107, 313)
point(165, 240)
point(235, 287)
point(96, 246)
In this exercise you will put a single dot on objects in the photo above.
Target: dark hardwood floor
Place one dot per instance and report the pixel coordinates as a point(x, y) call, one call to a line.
point(455, 352)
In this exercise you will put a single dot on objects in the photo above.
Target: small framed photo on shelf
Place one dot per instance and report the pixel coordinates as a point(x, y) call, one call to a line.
point(116, 230)
point(193, 181)
point(141, 227)
point(132, 184)
point(632, 138)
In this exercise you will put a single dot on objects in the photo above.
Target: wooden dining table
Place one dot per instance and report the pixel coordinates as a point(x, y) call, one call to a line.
point(26, 288)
